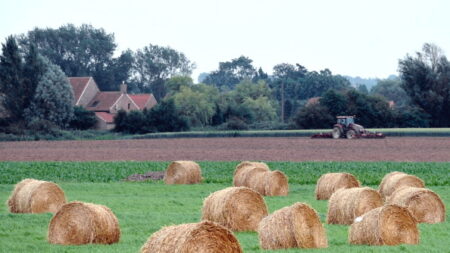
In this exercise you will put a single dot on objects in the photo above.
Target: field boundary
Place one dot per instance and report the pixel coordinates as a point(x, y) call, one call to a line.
point(397, 132)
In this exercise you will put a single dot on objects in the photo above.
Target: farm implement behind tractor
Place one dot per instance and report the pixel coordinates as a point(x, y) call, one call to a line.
point(346, 128)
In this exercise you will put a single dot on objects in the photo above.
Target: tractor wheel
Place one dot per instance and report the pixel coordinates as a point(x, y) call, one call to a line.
point(336, 133)
point(351, 134)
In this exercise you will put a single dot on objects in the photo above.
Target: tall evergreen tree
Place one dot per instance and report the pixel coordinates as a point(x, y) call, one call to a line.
point(53, 98)
point(11, 79)
point(34, 69)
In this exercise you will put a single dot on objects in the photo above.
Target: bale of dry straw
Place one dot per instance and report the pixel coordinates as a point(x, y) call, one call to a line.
point(83, 223)
point(36, 196)
point(424, 205)
point(183, 172)
point(242, 170)
point(296, 226)
point(258, 177)
point(386, 225)
point(237, 208)
point(347, 204)
point(203, 237)
point(330, 182)
point(396, 180)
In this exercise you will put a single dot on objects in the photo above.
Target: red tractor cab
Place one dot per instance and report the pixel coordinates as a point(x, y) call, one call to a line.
point(346, 128)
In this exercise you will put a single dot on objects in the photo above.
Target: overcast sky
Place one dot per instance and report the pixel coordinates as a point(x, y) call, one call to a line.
point(350, 37)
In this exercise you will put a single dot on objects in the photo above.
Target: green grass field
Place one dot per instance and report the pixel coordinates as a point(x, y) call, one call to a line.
point(144, 207)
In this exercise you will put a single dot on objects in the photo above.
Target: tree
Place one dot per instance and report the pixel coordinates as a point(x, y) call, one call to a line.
point(426, 80)
point(175, 83)
point(164, 117)
point(263, 109)
point(314, 116)
point(194, 106)
point(12, 84)
point(81, 51)
point(82, 119)
point(53, 98)
point(231, 73)
point(154, 65)
point(391, 90)
point(335, 102)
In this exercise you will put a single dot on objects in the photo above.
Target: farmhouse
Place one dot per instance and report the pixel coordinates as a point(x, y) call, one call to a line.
point(106, 104)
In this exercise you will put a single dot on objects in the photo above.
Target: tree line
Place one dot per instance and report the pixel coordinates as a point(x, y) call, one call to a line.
point(237, 95)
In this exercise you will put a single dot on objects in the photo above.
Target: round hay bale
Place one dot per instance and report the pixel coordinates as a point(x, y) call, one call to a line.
point(83, 223)
point(203, 237)
point(183, 172)
point(396, 180)
point(237, 208)
point(36, 196)
point(424, 205)
point(347, 204)
point(255, 179)
point(331, 182)
point(240, 173)
point(386, 225)
point(276, 184)
point(296, 226)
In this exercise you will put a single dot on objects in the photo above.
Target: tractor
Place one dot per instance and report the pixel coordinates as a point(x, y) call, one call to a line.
point(346, 128)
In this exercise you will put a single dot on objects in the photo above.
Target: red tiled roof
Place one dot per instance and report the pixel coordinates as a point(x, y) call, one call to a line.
point(104, 100)
point(142, 99)
point(107, 117)
point(78, 85)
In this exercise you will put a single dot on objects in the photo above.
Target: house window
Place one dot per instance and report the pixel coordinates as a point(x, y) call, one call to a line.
point(95, 103)
point(129, 105)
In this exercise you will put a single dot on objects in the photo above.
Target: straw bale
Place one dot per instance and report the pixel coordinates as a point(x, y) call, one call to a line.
point(183, 172)
point(258, 177)
point(276, 184)
point(347, 204)
point(296, 226)
point(36, 196)
point(396, 180)
point(386, 225)
point(242, 169)
point(237, 208)
point(424, 204)
point(330, 182)
point(203, 237)
point(83, 223)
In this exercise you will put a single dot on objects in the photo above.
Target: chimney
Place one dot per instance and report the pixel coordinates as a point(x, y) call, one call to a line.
point(123, 88)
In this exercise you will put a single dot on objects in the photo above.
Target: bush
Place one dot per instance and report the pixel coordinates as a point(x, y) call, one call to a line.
point(161, 118)
point(235, 123)
point(82, 119)
point(314, 116)
point(43, 127)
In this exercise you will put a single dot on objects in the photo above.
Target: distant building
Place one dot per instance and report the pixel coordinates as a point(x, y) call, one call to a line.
point(106, 104)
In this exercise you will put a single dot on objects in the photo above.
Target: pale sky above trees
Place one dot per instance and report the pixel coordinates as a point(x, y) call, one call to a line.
point(350, 37)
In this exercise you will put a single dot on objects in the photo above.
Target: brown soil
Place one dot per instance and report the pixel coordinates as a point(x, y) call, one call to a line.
point(232, 149)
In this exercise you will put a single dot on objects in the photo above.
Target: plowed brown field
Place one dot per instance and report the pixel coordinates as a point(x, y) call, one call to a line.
point(227, 149)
